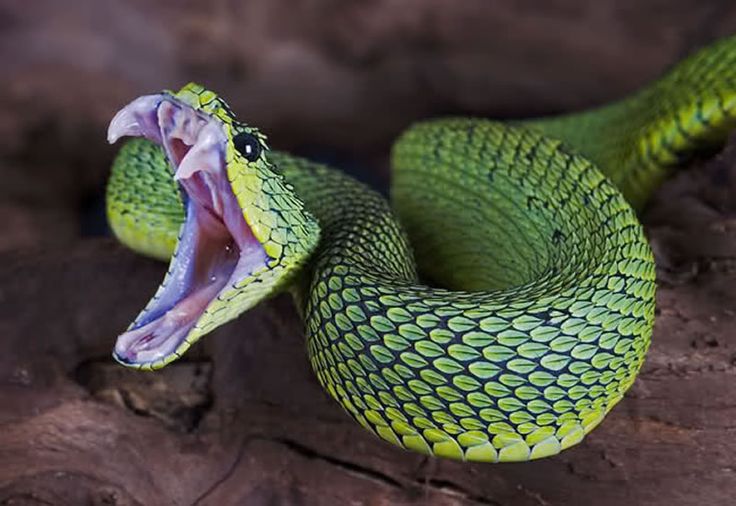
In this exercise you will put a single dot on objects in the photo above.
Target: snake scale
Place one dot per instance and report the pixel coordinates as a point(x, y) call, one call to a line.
point(535, 305)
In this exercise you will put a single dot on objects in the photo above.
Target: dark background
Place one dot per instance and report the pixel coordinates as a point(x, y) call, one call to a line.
point(242, 419)
point(332, 79)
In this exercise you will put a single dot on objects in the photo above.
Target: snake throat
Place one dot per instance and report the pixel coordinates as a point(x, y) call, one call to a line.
point(216, 249)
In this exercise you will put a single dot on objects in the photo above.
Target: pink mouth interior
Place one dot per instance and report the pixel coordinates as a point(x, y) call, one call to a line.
point(216, 246)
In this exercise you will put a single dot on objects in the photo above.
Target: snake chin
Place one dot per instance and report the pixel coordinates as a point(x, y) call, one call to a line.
point(216, 247)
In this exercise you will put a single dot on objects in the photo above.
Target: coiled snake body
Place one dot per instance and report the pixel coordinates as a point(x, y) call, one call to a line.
point(546, 305)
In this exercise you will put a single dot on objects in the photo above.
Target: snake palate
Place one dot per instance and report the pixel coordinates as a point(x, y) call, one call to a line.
point(541, 307)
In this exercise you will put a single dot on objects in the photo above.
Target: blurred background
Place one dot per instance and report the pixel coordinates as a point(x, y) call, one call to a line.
point(334, 80)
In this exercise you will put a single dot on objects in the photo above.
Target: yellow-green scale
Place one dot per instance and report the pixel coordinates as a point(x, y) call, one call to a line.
point(520, 371)
point(639, 139)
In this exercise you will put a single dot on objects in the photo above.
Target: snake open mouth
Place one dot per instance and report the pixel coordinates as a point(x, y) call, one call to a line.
point(216, 247)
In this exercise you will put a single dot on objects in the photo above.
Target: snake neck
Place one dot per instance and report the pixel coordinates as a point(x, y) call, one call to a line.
point(357, 226)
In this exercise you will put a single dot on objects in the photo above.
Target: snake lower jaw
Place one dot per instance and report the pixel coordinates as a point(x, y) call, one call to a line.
point(209, 260)
point(161, 337)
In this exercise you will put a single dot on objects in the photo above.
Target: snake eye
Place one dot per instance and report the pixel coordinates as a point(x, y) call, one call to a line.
point(248, 145)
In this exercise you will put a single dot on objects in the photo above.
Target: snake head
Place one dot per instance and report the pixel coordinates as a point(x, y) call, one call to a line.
point(245, 232)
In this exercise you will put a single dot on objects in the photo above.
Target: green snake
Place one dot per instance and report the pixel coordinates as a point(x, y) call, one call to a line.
point(496, 311)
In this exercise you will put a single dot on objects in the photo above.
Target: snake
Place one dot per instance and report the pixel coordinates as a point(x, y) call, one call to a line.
point(494, 308)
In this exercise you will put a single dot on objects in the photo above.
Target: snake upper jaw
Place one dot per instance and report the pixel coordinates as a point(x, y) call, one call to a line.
point(136, 120)
point(216, 250)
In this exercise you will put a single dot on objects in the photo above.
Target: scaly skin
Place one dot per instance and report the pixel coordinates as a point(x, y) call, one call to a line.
point(548, 301)
point(637, 140)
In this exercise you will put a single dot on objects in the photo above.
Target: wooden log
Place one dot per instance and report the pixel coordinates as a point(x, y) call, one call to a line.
point(243, 421)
